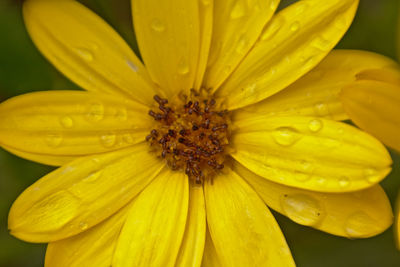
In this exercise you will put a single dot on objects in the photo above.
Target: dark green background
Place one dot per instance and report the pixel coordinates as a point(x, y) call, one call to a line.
point(23, 69)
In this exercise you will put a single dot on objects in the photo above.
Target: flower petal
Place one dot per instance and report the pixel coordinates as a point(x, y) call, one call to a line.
point(358, 214)
point(210, 257)
point(206, 8)
point(191, 252)
point(81, 194)
point(86, 49)
point(374, 106)
point(242, 229)
point(71, 123)
point(94, 247)
point(397, 222)
point(168, 34)
point(45, 159)
point(155, 225)
point(237, 26)
point(293, 43)
point(310, 153)
point(317, 93)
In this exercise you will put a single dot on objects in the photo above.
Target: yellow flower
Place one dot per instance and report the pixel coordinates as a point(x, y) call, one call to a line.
point(251, 119)
point(373, 103)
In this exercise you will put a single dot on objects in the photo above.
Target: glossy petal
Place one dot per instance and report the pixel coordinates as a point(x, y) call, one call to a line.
point(374, 106)
point(210, 257)
point(242, 229)
point(317, 93)
point(363, 213)
point(81, 194)
point(237, 26)
point(94, 247)
point(155, 225)
point(397, 222)
point(168, 34)
point(86, 49)
point(191, 251)
point(45, 159)
point(71, 123)
point(310, 153)
point(206, 8)
point(293, 43)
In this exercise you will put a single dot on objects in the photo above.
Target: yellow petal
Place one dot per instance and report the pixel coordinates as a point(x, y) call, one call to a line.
point(237, 26)
point(50, 160)
point(358, 214)
point(317, 93)
point(210, 257)
point(206, 8)
point(94, 247)
point(374, 106)
point(81, 194)
point(168, 34)
point(86, 49)
point(397, 222)
point(191, 251)
point(155, 225)
point(71, 123)
point(243, 230)
point(293, 43)
point(310, 153)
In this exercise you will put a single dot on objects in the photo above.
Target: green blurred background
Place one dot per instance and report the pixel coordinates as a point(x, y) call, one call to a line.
point(23, 69)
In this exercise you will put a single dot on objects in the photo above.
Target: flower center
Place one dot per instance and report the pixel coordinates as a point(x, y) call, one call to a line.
point(191, 135)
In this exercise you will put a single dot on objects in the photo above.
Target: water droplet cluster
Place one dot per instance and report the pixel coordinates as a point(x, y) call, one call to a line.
point(191, 135)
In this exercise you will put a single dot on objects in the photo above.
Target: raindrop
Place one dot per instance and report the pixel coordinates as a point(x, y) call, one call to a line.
point(83, 226)
point(108, 140)
point(53, 140)
point(302, 209)
point(315, 125)
point(85, 54)
point(360, 224)
point(295, 26)
point(183, 67)
point(67, 122)
point(344, 182)
point(95, 112)
point(321, 43)
point(157, 25)
point(372, 175)
point(286, 136)
point(321, 109)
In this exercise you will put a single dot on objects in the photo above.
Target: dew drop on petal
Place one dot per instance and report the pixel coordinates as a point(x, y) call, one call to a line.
point(95, 112)
point(132, 66)
point(53, 140)
point(83, 226)
point(372, 175)
point(321, 43)
point(67, 122)
point(108, 140)
point(302, 209)
point(295, 26)
point(360, 224)
point(321, 109)
point(127, 138)
point(121, 114)
point(272, 29)
point(85, 54)
point(315, 125)
point(157, 25)
point(344, 182)
point(286, 136)
point(183, 67)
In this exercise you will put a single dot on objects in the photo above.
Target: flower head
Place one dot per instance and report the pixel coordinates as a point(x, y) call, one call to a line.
point(173, 161)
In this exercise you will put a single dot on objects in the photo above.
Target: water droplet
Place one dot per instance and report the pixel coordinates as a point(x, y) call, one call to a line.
point(344, 182)
point(238, 10)
point(85, 54)
point(67, 122)
point(321, 181)
point(183, 67)
point(108, 140)
point(286, 136)
point(121, 114)
point(315, 125)
point(132, 66)
point(157, 25)
point(321, 43)
point(272, 29)
point(372, 175)
point(53, 140)
point(304, 171)
point(295, 26)
point(83, 226)
point(360, 224)
point(321, 109)
point(241, 47)
point(95, 112)
point(302, 209)
point(92, 177)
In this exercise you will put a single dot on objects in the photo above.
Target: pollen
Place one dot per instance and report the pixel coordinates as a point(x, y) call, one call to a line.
point(191, 135)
